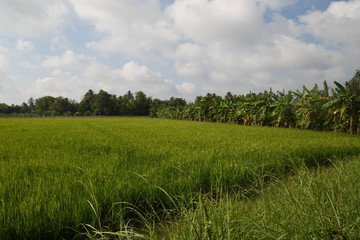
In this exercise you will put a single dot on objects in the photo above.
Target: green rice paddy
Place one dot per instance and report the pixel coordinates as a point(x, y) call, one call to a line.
point(131, 178)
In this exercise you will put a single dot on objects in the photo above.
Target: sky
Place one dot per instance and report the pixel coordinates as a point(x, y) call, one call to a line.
point(180, 48)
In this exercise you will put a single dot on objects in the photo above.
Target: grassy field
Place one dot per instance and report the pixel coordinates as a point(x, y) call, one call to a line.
point(154, 178)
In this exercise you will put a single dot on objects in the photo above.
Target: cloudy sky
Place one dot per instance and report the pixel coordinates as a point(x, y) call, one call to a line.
point(181, 48)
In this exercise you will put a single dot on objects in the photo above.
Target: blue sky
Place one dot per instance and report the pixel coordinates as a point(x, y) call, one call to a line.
point(181, 48)
point(301, 7)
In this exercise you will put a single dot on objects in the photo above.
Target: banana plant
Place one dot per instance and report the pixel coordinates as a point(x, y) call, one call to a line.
point(346, 104)
point(284, 110)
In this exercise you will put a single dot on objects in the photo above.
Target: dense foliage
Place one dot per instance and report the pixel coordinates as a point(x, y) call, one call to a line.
point(92, 104)
point(317, 109)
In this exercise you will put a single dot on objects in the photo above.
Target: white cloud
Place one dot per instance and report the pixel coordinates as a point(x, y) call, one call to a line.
point(187, 89)
point(218, 76)
point(31, 18)
point(23, 45)
point(131, 76)
point(68, 60)
point(243, 53)
point(191, 61)
point(203, 46)
point(130, 27)
point(291, 54)
point(60, 84)
point(338, 27)
point(8, 88)
point(3, 59)
point(218, 45)
point(132, 71)
point(224, 21)
point(73, 74)
point(339, 24)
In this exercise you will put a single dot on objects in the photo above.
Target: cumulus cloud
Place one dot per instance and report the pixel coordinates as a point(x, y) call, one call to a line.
point(251, 54)
point(31, 18)
point(217, 21)
point(130, 27)
point(131, 76)
point(191, 61)
point(203, 45)
point(60, 83)
point(339, 24)
point(337, 27)
point(68, 60)
point(187, 89)
point(73, 74)
point(224, 45)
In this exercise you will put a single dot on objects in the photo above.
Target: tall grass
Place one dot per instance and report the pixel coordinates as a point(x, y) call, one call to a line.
point(61, 176)
point(313, 204)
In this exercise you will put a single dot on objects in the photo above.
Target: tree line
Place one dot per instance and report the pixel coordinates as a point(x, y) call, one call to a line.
point(92, 104)
point(324, 109)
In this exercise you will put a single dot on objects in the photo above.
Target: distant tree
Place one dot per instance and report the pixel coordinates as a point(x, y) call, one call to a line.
point(31, 104)
point(62, 106)
point(127, 103)
point(105, 104)
point(24, 108)
point(4, 108)
point(283, 110)
point(141, 104)
point(230, 98)
point(176, 102)
point(120, 106)
point(42, 105)
point(155, 105)
point(205, 104)
point(86, 103)
point(14, 109)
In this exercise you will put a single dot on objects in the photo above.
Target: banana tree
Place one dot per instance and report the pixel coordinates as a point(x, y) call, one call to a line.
point(284, 110)
point(346, 104)
point(353, 87)
point(310, 112)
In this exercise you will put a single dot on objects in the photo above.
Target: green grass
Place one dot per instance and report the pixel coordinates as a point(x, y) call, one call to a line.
point(59, 174)
point(313, 204)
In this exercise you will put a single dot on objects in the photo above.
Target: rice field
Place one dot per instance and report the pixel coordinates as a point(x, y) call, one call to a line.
point(134, 178)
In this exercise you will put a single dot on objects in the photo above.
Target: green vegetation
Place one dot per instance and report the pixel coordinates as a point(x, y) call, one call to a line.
point(91, 104)
point(313, 204)
point(315, 109)
point(156, 178)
